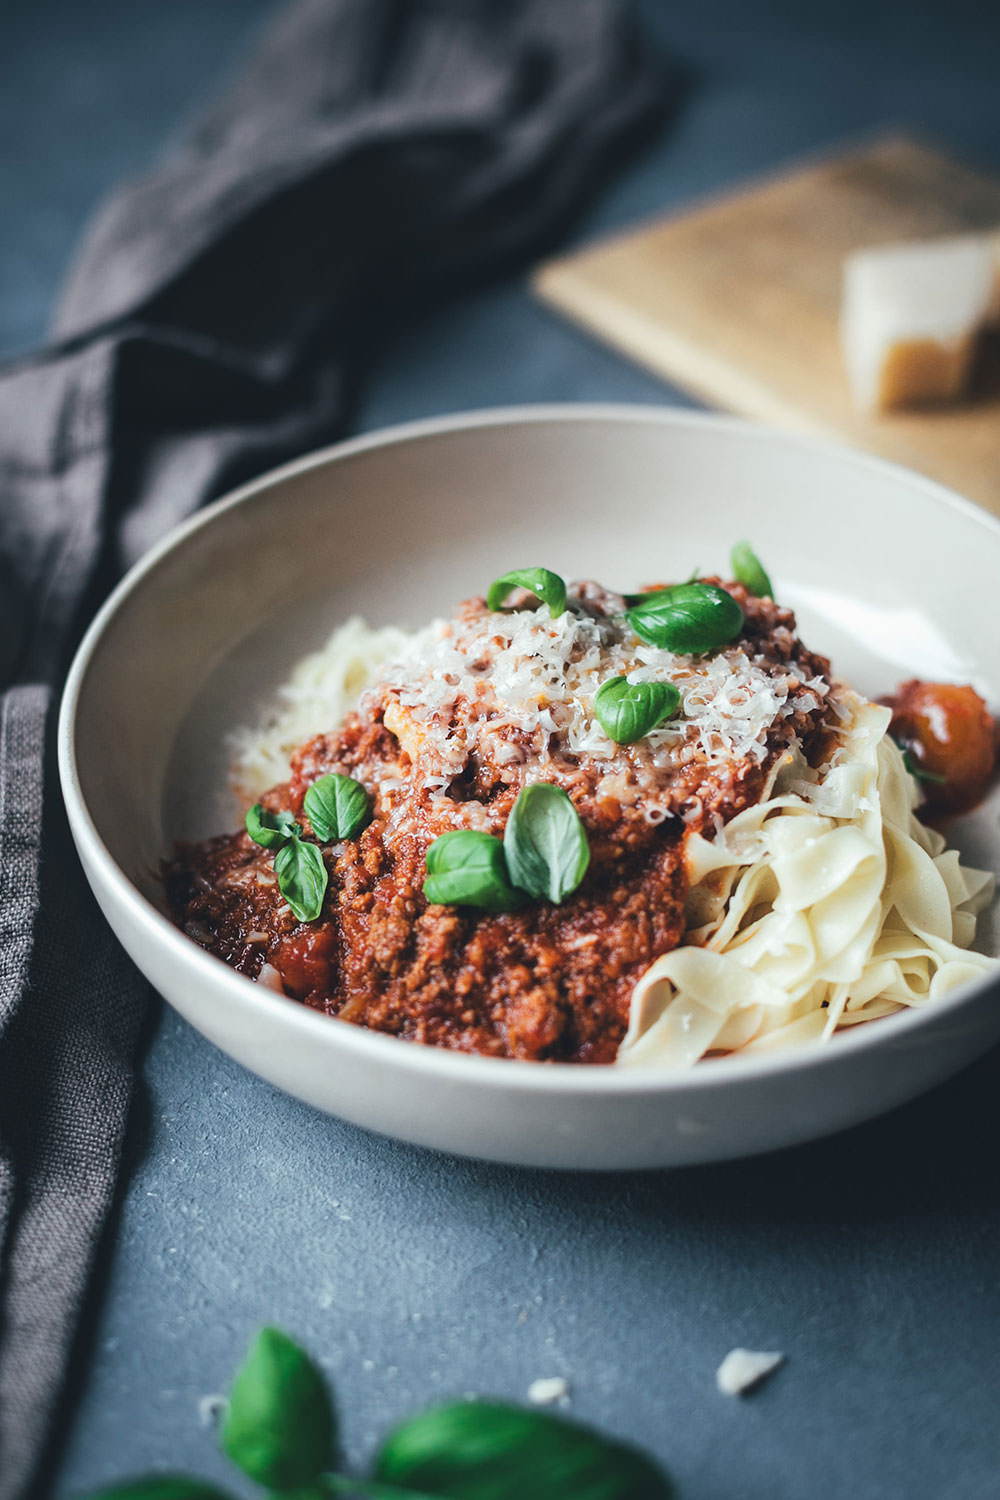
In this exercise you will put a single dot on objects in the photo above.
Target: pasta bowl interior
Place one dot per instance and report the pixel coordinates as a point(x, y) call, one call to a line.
point(890, 576)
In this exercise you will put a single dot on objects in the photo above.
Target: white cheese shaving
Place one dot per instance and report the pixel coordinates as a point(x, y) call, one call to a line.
point(743, 1369)
point(547, 1391)
point(211, 1409)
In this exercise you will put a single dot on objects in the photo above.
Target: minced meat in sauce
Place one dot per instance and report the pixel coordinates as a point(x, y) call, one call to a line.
point(544, 982)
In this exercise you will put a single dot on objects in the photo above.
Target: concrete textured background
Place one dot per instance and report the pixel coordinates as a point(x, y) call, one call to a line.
point(869, 1259)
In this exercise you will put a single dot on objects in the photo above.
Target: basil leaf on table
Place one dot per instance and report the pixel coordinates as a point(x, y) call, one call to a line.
point(749, 570)
point(279, 1428)
point(337, 807)
point(162, 1487)
point(546, 586)
point(467, 868)
point(546, 843)
point(628, 710)
point(270, 830)
point(689, 618)
point(480, 1450)
point(302, 878)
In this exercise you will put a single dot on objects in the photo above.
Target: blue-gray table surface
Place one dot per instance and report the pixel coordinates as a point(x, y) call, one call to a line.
point(870, 1259)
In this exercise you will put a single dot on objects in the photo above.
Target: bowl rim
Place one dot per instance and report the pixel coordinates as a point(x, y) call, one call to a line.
point(519, 1075)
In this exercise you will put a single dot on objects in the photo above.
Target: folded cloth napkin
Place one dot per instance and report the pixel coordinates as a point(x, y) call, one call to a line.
point(371, 153)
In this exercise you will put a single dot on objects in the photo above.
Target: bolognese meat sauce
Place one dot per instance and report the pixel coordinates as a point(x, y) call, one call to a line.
point(446, 740)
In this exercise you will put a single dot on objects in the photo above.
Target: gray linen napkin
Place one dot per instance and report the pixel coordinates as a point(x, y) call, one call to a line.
point(371, 153)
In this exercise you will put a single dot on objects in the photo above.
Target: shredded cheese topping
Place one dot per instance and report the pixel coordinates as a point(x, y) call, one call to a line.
point(518, 690)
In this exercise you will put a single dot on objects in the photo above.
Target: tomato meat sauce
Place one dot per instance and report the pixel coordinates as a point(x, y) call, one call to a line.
point(544, 982)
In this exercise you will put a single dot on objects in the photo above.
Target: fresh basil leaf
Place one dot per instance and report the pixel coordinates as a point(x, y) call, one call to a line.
point(270, 830)
point(546, 843)
point(161, 1487)
point(479, 1450)
point(302, 878)
point(279, 1428)
point(749, 570)
point(337, 807)
point(628, 710)
point(548, 587)
point(689, 618)
point(467, 868)
point(917, 771)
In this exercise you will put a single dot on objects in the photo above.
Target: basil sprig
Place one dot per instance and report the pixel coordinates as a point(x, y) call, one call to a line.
point(628, 710)
point(468, 868)
point(546, 586)
point(689, 618)
point(300, 867)
point(544, 853)
point(546, 843)
point(280, 1430)
point(337, 807)
point(749, 570)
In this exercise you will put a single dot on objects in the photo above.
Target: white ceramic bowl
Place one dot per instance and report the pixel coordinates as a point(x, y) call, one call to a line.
point(892, 576)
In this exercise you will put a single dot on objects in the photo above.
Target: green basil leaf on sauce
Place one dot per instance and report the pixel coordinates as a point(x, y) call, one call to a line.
point(162, 1487)
point(689, 618)
point(279, 1428)
point(337, 807)
point(467, 868)
point(546, 586)
point(270, 830)
point(628, 710)
point(546, 843)
point(302, 878)
point(749, 570)
point(480, 1450)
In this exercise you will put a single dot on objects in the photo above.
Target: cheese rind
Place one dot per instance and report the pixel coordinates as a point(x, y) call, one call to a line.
point(911, 316)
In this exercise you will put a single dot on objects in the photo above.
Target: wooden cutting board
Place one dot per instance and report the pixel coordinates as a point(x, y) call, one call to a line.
point(737, 300)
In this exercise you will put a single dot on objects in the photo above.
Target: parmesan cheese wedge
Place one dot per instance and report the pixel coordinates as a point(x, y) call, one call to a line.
point(911, 318)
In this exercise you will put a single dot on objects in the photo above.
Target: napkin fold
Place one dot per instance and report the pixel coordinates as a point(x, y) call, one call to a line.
point(371, 154)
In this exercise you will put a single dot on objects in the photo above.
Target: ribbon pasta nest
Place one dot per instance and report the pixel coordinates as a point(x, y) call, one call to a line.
point(826, 904)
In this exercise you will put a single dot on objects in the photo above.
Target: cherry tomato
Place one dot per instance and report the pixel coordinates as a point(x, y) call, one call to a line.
point(949, 733)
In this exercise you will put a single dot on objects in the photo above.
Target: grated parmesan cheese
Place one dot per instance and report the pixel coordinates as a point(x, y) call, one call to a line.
point(517, 690)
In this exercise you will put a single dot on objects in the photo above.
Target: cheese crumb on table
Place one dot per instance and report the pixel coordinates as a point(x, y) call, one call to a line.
point(211, 1409)
point(743, 1369)
point(547, 1392)
point(912, 315)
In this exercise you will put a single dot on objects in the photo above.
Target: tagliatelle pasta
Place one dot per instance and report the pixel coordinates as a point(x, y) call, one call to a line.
point(826, 904)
